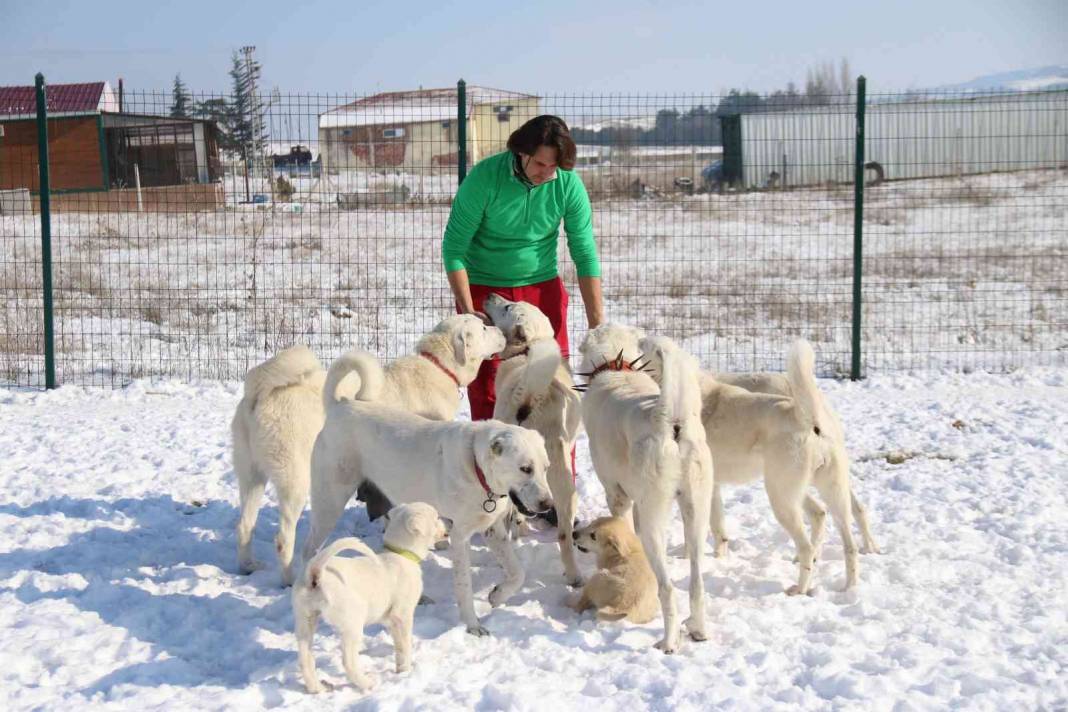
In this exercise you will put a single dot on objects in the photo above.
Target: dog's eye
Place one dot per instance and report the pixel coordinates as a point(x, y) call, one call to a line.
point(527, 470)
point(593, 536)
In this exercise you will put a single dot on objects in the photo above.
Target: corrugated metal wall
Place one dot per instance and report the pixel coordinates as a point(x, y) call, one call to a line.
point(910, 139)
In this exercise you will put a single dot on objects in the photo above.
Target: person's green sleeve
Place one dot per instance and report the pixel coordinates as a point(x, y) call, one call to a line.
point(578, 224)
point(468, 207)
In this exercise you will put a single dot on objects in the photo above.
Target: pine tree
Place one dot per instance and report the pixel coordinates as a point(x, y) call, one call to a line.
point(182, 102)
point(249, 128)
point(218, 110)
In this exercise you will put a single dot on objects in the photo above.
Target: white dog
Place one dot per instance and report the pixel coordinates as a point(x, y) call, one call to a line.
point(281, 412)
point(464, 469)
point(273, 431)
point(778, 384)
point(648, 448)
point(535, 390)
point(377, 588)
point(793, 442)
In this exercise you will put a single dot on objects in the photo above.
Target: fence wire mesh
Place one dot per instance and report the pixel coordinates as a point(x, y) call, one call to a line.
point(194, 239)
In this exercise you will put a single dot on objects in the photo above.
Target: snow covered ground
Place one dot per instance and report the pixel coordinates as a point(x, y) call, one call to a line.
point(118, 587)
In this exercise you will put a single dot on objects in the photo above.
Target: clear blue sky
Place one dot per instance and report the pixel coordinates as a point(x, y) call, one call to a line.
point(546, 46)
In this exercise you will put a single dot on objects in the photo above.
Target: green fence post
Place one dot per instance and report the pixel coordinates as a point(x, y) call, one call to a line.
point(461, 133)
point(46, 233)
point(858, 229)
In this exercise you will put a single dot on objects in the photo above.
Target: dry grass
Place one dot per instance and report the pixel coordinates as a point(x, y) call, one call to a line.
point(216, 291)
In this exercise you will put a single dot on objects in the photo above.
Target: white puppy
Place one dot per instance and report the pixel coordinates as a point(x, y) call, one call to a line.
point(464, 469)
point(535, 390)
point(647, 448)
point(281, 412)
point(376, 588)
point(793, 442)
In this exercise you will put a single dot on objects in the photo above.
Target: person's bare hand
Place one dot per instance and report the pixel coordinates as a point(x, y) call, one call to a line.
point(481, 315)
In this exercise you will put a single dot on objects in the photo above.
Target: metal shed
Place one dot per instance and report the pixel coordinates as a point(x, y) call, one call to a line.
point(918, 138)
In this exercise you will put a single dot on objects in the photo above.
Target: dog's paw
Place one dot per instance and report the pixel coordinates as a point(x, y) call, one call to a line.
point(696, 630)
point(314, 687)
point(364, 682)
point(401, 669)
point(873, 549)
point(795, 590)
point(478, 631)
point(497, 597)
point(250, 566)
point(668, 647)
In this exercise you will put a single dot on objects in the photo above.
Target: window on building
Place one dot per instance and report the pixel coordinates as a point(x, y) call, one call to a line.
point(393, 133)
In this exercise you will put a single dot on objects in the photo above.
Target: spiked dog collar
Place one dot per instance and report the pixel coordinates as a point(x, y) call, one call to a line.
point(616, 364)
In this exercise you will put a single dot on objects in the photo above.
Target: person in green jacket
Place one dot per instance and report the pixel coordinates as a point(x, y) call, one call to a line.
point(503, 231)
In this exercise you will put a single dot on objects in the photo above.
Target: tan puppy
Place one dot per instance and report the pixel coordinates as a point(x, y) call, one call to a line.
point(624, 587)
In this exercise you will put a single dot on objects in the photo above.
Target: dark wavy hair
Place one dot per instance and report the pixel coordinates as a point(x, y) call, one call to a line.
point(545, 130)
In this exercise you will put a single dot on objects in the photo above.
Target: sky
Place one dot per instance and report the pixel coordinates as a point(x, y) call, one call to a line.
point(547, 47)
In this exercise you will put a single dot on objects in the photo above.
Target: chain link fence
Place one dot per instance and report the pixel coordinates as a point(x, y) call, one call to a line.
point(194, 236)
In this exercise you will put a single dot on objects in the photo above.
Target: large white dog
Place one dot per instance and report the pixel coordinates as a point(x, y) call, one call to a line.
point(535, 390)
point(649, 450)
point(281, 412)
point(793, 441)
point(778, 384)
point(463, 469)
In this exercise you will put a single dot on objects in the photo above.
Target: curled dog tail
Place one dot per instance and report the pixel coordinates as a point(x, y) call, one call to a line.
point(366, 367)
point(800, 372)
point(315, 566)
point(286, 368)
point(543, 359)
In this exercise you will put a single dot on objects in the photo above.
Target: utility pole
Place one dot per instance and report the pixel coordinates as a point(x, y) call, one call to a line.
point(250, 82)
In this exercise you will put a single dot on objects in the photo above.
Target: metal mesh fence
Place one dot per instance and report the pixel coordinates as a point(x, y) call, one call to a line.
point(197, 245)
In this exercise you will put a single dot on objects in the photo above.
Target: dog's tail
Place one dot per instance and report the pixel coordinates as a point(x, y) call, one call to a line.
point(315, 566)
point(801, 373)
point(543, 358)
point(286, 368)
point(365, 365)
point(680, 391)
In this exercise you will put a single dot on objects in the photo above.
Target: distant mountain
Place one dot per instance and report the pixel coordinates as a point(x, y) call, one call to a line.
point(1053, 77)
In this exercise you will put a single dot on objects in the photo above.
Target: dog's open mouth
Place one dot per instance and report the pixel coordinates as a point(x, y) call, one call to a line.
point(581, 548)
point(522, 507)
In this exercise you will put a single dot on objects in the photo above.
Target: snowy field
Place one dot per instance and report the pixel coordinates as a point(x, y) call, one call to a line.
point(118, 587)
point(959, 273)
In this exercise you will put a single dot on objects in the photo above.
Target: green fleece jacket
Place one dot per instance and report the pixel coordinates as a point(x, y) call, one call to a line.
point(505, 234)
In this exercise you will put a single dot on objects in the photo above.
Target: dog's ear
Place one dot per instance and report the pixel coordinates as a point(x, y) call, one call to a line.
point(459, 346)
point(612, 541)
point(419, 526)
point(498, 443)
